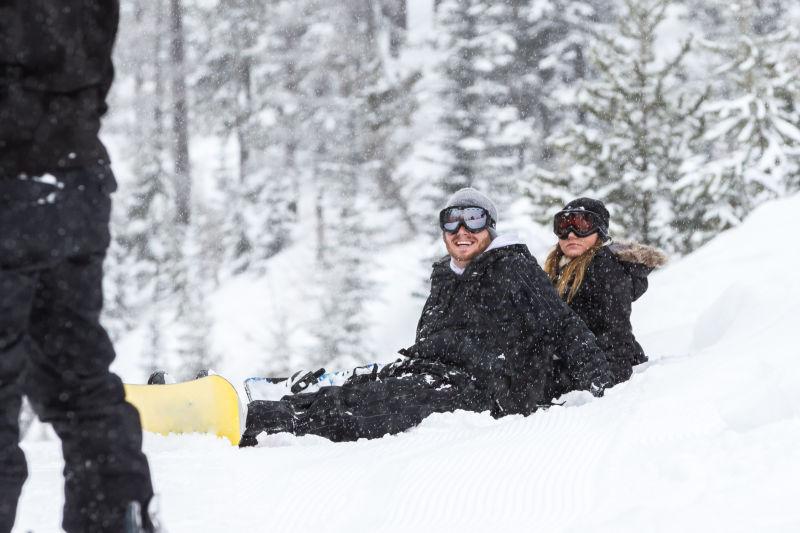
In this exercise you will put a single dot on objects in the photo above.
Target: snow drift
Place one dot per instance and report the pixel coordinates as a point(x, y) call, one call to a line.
point(702, 438)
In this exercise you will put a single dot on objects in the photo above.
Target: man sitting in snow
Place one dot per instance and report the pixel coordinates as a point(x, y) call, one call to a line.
point(486, 341)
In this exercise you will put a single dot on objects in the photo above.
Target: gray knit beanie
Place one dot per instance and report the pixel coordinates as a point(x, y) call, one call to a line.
point(469, 197)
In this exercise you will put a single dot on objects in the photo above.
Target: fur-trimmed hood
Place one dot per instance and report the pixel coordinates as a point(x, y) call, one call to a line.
point(642, 254)
point(637, 260)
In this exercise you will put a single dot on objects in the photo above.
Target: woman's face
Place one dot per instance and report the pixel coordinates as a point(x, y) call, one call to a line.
point(573, 246)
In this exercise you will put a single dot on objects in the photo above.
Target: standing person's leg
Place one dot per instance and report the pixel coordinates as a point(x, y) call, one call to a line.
point(70, 386)
point(68, 379)
point(16, 296)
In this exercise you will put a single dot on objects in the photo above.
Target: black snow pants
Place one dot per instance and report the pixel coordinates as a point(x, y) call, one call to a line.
point(53, 238)
point(368, 406)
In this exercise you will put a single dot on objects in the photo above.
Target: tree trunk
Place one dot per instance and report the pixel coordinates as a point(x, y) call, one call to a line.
point(396, 12)
point(158, 115)
point(180, 126)
point(243, 120)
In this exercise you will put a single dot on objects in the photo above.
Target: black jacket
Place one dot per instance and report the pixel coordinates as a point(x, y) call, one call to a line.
point(616, 277)
point(55, 73)
point(502, 323)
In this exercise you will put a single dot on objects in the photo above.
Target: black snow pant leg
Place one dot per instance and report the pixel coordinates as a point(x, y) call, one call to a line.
point(372, 409)
point(266, 417)
point(15, 305)
point(58, 243)
point(69, 385)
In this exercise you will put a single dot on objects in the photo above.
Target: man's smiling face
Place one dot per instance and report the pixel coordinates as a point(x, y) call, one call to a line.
point(464, 246)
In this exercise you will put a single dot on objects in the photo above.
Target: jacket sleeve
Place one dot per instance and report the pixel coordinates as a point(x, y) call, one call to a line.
point(611, 295)
point(546, 314)
point(426, 319)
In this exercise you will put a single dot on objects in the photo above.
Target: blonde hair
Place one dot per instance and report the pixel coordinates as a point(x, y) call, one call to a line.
point(568, 279)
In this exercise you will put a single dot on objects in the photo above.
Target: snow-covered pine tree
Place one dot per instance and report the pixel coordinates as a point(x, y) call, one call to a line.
point(550, 60)
point(234, 246)
point(390, 99)
point(482, 130)
point(142, 257)
point(345, 179)
point(194, 324)
point(147, 234)
point(507, 126)
point(638, 113)
point(388, 112)
point(223, 95)
point(750, 151)
point(460, 136)
point(239, 96)
point(346, 289)
point(554, 38)
point(534, 27)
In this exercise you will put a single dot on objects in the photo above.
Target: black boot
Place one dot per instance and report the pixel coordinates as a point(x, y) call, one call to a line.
point(269, 417)
point(159, 377)
point(139, 521)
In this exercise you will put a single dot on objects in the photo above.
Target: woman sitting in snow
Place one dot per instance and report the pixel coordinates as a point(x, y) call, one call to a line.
point(599, 281)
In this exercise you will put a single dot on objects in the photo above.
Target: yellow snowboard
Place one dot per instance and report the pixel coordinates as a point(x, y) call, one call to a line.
point(206, 405)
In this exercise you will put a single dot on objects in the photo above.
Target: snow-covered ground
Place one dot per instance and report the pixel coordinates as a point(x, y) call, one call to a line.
point(703, 438)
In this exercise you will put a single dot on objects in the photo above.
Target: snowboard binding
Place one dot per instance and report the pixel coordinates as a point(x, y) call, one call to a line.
point(301, 379)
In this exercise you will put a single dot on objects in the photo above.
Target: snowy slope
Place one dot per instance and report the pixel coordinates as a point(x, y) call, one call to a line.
point(703, 438)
